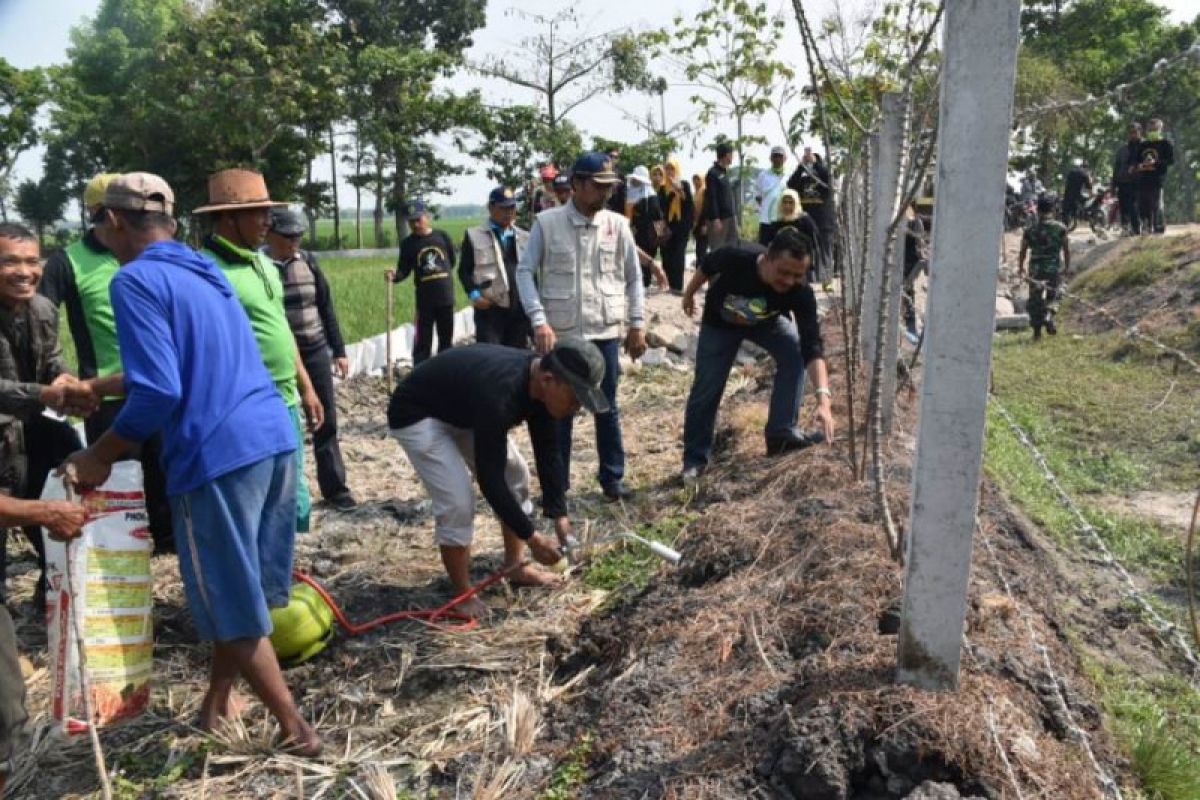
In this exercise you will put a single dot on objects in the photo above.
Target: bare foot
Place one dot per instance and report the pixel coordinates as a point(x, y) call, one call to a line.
point(472, 607)
point(219, 706)
point(529, 575)
point(303, 741)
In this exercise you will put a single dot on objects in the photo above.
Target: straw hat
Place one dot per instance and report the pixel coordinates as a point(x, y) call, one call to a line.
point(234, 189)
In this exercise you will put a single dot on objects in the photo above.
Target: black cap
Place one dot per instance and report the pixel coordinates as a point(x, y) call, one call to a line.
point(562, 180)
point(286, 222)
point(581, 365)
point(503, 197)
point(415, 209)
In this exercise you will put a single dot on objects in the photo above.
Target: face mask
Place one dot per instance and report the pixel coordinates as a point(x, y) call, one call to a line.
point(1154, 136)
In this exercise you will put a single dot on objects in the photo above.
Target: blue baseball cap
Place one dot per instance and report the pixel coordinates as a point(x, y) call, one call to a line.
point(503, 197)
point(415, 209)
point(597, 166)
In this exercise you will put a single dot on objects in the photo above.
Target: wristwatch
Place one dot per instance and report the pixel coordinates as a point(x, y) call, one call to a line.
point(824, 390)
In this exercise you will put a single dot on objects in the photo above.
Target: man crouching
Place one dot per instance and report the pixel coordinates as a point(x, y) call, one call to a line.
point(453, 415)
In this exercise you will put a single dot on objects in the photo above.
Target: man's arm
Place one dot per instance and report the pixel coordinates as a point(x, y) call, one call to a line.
point(812, 351)
point(635, 296)
point(58, 279)
point(543, 435)
point(1021, 256)
point(62, 519)
point(1066, 254)
point(710, 195)
point(527, 269)
point(314, 412)
point(491, 459)
point(405, 263)
point(325, 307)
point(466, 266)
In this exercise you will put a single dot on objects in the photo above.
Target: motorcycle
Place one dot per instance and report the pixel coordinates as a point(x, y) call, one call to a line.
point(1101, 212)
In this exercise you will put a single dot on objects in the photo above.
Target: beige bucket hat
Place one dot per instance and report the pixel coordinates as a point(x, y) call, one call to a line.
point(234, 189)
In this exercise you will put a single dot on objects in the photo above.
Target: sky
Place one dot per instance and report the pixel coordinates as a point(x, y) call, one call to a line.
point(36, 33)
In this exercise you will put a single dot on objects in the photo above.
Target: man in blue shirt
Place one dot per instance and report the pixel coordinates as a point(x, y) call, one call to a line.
point(193, 371)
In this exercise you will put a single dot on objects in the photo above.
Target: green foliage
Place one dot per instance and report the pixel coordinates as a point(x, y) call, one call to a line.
point(514, 140)
point(571, 774)
point(22, 93)
point(1142, 265)
point(1157, 721)
point(646, 153)
point(630, 565)
point(40, 203)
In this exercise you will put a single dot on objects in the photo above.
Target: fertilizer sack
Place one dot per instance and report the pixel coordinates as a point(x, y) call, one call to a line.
point(110, 570)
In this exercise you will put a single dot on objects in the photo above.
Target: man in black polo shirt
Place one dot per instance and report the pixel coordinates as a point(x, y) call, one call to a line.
point(452, 416)
point(719, 208)
point(753, 291)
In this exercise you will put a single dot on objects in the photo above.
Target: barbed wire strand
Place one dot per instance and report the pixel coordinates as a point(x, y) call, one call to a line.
point(1107, 783)
point(995, 732)
point(1166, 629)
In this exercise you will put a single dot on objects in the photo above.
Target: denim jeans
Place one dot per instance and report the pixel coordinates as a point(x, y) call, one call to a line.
point(609, 447)
point(715, 354)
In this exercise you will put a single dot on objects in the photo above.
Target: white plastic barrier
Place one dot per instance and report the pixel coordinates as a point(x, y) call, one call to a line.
point(369, 357)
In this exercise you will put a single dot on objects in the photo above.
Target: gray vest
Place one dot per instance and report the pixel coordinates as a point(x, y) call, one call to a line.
point(582, 278)
point(489, 263)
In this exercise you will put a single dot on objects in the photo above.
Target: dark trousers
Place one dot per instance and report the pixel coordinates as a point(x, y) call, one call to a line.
point(506, 326)
point(766, 232)
point(12, 691)
point(1127, 206)
point(331, 470)
point(674, 255)
point(47, 443)
point(154, 479)
point(609, 447)
point(1043, 299)
point(426, 319)
point(701, 246)
point(1149, 199)
point(647, 269)
point(715, 354)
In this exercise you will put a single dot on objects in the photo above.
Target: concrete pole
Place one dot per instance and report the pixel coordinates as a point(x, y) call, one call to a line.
point(980, 57)
point(885, 179)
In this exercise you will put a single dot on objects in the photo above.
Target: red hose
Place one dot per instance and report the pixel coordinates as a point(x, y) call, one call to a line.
point(428, 616)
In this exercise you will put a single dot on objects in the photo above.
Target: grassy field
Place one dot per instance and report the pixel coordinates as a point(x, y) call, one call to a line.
point(1111, 420)
point(454, 227)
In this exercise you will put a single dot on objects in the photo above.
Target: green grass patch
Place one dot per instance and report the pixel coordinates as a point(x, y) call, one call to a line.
point(571, 774)
point(1157, 722)
point(360, 295)
point(1141, 265)
point(630, 565)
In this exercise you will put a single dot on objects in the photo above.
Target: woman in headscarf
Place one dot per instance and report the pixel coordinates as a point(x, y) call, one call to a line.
point(675, 200)
point(788, 213)
point(699, 231)
point(641, 207)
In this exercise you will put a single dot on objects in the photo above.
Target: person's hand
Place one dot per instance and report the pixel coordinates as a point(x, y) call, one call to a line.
point(481, 303)
point(825, 414)
point(544, 549)
point(342, 367)
point(314, 412)
point(80, 399)
point(635, 343)
point(390, 274)
point(84, 469)
point(660, 276)
point(543, 339)
point(61, 519)
point(689, 303)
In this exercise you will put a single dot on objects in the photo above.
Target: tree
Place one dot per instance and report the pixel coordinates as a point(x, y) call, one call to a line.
point(22, 93)
point(40, 203)
point(566, 66)
point(513, 140)
point(397, 53)
point(731, 47)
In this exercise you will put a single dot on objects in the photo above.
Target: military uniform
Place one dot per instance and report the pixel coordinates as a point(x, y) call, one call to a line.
point(1044, 242)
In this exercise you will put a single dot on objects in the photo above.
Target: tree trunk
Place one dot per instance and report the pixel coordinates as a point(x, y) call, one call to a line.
point(378, 216)
point(337, 210)
point(400, 196)
point(358, 160)
point(310, 213)
point(737, 195)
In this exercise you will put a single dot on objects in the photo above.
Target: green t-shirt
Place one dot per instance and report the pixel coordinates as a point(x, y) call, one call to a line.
point(256, 281)
point(1045, 241)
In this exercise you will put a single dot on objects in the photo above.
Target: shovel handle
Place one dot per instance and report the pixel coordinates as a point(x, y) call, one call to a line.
point(391, 313)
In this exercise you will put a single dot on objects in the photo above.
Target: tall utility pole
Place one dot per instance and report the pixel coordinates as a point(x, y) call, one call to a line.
point(980, 62)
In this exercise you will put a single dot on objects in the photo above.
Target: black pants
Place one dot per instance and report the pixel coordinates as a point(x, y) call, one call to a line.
point(1127, 206)
point(647, 270)
point(331, 470)
point(701, 246)
point(12, 690)
point(766, 232)
point(506, 326)
point(1149, 198)
point(47, 443)
point(440, 316)
point(674, 255)
point(154, 479)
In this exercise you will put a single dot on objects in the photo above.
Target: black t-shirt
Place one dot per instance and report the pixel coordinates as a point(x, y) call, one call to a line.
point(645, 213)
point(1154, 157)
point(484, 388)
point(738, 298)
point(430, 260)
point(1077, 180)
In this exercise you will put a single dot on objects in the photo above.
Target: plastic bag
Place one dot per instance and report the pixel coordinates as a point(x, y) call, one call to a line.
point(110, 569)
